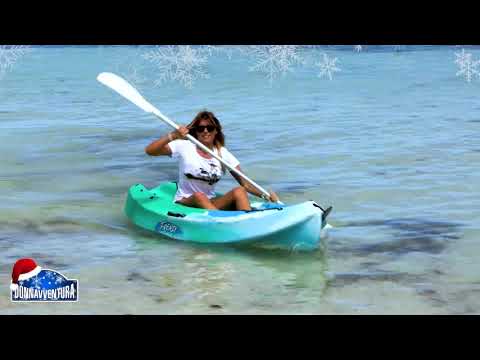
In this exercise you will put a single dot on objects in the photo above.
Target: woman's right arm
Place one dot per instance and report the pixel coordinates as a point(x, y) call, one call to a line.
point(160, 146)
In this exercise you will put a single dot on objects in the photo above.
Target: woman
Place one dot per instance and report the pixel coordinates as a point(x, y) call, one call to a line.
point(199, 171)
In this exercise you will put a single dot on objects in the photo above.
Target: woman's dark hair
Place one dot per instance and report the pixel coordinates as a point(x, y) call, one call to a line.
point(207, 115)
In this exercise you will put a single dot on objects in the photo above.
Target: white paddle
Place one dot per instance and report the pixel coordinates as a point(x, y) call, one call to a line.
point(122, 87)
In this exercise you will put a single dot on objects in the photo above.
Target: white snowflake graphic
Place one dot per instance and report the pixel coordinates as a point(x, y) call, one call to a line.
point(229, 50)
point(358, 48)
point(327, 66)
point(462, 57)
point(59, 280)
point(181, 63)
point(9, 55)
point(36, 282)
point(468, 66)
point(210, 49)
point(274, 59)
point(50, 275)
point(468, 69)
point(218, 49)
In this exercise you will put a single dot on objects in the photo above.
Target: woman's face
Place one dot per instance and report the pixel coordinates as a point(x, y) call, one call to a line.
point(206, 132)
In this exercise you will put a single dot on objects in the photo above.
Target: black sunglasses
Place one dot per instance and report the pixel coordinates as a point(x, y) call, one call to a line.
point(202, 128)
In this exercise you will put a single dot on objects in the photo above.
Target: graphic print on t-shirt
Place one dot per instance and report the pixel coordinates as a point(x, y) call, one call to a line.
point(211, 177)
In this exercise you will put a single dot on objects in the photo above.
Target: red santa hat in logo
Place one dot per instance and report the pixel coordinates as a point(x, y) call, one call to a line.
point(22, 270)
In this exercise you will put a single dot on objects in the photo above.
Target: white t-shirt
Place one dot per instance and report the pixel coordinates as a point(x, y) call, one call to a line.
point(197, 174)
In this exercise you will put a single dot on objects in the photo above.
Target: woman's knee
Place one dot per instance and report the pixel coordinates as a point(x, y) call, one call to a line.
point(199, 196)
point(239, 192)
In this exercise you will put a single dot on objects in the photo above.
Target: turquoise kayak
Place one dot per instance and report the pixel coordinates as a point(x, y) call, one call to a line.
point(267, 225)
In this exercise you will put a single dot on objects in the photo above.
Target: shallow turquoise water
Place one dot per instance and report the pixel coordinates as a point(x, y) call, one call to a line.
point(392, 142)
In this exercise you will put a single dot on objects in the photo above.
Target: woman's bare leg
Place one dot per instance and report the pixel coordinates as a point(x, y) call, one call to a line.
point(236, 198)
point(198, 200)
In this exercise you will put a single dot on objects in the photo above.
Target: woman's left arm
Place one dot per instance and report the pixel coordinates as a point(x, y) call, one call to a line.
point(251, 189)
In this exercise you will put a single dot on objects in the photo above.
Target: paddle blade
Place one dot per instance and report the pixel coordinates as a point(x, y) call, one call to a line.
point(122, 87)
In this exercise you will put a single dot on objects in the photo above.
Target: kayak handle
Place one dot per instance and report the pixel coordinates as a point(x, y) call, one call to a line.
point(175, 214)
